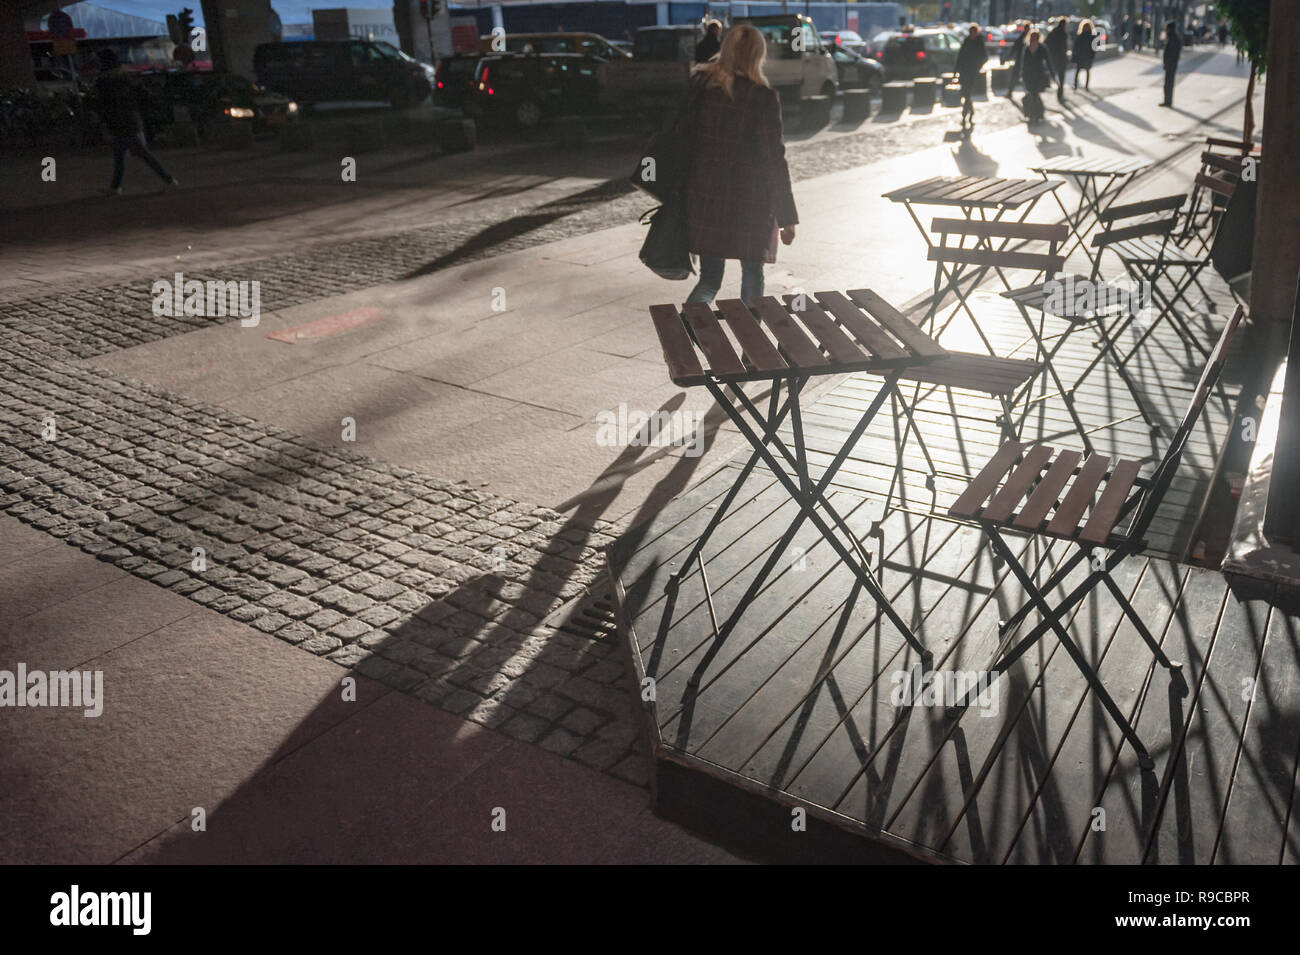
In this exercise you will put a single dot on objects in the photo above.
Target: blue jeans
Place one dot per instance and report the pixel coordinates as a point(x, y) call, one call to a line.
point(751, 280)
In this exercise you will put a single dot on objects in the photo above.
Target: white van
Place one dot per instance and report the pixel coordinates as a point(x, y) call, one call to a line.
point(798, 63)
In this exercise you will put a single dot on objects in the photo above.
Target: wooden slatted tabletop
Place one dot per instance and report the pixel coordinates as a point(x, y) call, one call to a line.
point(1090, 166)
point(824, 334)
point(978, 192)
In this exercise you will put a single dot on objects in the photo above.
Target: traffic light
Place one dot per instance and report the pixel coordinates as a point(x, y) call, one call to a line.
point(185, 20)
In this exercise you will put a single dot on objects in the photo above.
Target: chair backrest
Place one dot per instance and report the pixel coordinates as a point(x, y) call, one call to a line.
point(1233, 248)
point(983, 254)
point(1168, 466)
point(1157, 216)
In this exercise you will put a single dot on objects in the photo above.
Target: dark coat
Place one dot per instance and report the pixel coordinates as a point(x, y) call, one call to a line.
point(738, 190)
point(1036, 68)
point(971, 59)
point(707, 48)
point(1084, 54)
point(1057, 42)
point(121, 103)
point(1173, 49)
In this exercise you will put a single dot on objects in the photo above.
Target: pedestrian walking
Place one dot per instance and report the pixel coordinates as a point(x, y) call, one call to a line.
point(738, 189)
point(710, 43)
point(1036, 71)
point(1223, 34)
point(970, 63)
point(1084, 53)
point(1173, 49)
point(1126, 34)
point(1017, 50)
point(121, 103)
point(1058, 48)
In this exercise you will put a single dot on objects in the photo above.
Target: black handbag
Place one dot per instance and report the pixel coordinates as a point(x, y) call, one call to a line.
point(666, 160)
point(666, 249)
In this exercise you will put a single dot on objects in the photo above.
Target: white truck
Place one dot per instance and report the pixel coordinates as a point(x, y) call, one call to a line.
point(652, 81)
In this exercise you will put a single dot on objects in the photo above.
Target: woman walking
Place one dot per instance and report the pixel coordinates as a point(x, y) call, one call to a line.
point(1084, 53)
point(1037, 71)
point(738, 189)
point(970, 62)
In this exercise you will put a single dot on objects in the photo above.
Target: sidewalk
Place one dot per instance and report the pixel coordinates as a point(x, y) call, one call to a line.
point(467, 418)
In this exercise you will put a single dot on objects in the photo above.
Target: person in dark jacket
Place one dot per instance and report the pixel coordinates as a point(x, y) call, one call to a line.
point(121, 102)
point(710, 43)
point(970, 61)
point(1058, 48)
point(1126, 34)
point(1036, 70)
point(1084, 53)
point(1017, 50)
point(738, 189)
point(1173, 49)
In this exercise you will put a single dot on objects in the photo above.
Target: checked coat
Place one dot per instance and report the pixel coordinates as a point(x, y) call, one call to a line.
point(738, 190)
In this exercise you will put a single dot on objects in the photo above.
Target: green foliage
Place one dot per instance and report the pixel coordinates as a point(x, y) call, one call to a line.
point(1248, 20)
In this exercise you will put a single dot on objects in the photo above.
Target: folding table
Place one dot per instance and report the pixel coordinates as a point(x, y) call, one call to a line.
point(1099, 181)
point(787, 343)
point(972, 194)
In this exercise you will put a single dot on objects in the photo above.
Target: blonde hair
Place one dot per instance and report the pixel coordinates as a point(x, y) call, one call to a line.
point(742, 54)
point(1085, 26)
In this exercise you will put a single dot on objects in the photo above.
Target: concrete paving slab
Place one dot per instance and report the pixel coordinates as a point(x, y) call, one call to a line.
point(19, 542)
point(48, 576)
point(190, 712)
point(72, 631)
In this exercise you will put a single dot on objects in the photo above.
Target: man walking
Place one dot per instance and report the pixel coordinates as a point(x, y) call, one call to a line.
point(970, 61)
point(711, 42)
point(1173, 49)
point(120, 100)
point(1058, 48)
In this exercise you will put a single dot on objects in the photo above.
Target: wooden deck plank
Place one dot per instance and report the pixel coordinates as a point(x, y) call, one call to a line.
point(1008, 754)
point(747, 670)
point(1198, 779)
point(1066, 790)
point(848, 645)
point(1260, 805)
point(1130, 798)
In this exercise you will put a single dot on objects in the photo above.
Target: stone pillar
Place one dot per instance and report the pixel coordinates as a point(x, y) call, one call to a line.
point(15, 57)
point(1276, 263)
point(235, 28)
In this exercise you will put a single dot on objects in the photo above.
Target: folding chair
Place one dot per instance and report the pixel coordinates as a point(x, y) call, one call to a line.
point(1149, 255)
point(1035, 488)
point(1213, 187)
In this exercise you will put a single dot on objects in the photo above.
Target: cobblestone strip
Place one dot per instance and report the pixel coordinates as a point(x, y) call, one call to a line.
point(430, 587)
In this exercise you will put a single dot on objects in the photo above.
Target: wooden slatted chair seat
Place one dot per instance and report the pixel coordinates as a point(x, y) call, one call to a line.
point(987, 374)
point(1150, 251)
point(1034, 497)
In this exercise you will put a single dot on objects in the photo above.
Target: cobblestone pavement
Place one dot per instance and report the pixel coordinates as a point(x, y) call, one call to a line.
point(430, 587)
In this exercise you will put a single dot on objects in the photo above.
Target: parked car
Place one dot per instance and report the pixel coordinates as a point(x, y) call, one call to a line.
point(857, 71)
point(920, 53)
point(528, 88)
point(591, 44)
point(319, 71)
point(806, 69)
point(845, 40)
point(453, 79)
point(653, 80)
point(210, 100)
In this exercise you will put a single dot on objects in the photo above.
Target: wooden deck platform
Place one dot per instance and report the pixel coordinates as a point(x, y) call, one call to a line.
point(785, 739)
